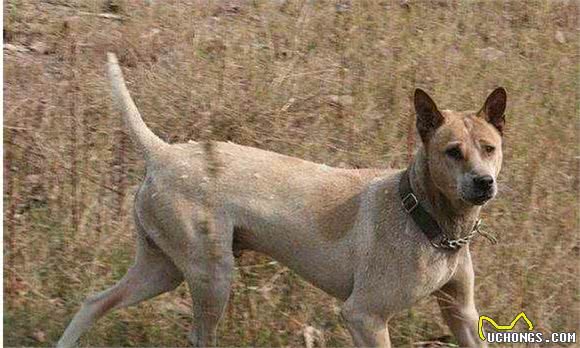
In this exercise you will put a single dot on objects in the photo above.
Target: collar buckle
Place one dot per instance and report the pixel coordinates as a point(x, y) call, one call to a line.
point(410, 202)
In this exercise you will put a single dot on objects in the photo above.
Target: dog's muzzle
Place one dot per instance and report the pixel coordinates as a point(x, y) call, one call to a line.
point(479, 189)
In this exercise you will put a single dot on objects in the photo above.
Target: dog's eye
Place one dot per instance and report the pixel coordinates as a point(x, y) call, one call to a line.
point(488, 149)
point(454, 152)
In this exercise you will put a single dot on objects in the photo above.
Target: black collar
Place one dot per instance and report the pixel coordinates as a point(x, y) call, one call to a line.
point(426, 222)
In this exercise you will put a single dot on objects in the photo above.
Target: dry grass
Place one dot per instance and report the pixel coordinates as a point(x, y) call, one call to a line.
point(325, 81)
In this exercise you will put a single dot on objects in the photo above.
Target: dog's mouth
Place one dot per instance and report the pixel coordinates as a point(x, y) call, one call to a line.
point(480, 199)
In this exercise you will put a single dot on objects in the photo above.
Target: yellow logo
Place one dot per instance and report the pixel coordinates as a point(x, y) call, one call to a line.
point(503, 327)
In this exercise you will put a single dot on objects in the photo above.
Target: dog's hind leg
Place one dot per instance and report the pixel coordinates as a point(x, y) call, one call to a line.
point(210, 290)
point(208, 271)
point(151, 275)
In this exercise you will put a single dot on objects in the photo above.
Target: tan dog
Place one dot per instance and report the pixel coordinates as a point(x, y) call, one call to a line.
point(345, 231)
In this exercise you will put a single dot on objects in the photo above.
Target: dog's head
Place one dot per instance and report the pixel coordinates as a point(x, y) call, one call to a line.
point(464, 149)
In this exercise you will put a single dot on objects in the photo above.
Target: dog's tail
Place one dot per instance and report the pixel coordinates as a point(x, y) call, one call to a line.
point(142, 136)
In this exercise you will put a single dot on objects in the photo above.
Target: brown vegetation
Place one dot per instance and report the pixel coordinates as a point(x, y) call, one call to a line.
point(325, 81)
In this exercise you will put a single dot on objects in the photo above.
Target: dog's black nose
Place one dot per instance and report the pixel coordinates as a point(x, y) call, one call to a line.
point(483, 182)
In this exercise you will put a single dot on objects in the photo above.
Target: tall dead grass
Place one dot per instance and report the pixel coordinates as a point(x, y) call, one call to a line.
point(324, 81)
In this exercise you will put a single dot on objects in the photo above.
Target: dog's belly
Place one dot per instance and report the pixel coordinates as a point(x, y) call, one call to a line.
point(325, 264)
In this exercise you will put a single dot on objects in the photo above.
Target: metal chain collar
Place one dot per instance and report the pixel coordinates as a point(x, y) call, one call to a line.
point(455, 244)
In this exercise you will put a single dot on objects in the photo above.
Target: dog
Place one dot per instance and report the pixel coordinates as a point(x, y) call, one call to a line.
point(379, 240)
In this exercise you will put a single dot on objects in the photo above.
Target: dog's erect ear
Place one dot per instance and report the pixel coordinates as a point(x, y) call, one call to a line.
point(494, 108)
point(428, 117)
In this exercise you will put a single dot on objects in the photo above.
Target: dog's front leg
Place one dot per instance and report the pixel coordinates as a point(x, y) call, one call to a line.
point(367, 329)
point(457, 305)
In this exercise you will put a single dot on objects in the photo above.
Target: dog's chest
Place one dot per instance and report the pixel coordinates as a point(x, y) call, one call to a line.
point(434, 270)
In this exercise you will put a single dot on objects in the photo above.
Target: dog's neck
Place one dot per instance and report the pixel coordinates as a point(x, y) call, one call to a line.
point(455, 217)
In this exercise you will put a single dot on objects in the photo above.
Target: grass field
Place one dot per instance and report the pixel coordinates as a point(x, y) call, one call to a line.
point(325, 81)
